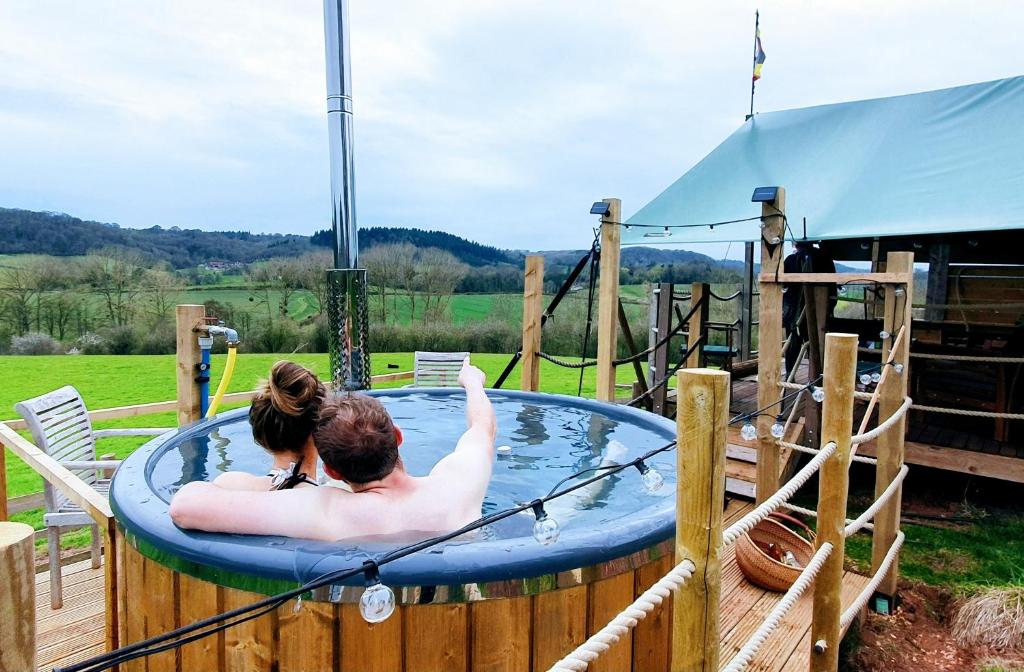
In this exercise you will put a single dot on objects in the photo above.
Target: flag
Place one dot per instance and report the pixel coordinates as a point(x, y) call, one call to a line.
point(758, 54)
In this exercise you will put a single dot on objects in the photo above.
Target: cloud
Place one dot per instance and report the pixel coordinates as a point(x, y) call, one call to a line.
point(501, 121)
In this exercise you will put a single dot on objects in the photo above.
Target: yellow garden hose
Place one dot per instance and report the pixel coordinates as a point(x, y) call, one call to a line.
point(225, 380)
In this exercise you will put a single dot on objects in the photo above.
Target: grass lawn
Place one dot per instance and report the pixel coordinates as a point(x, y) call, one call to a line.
point(108, 380)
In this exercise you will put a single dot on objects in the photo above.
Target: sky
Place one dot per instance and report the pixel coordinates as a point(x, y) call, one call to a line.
point(498, 121)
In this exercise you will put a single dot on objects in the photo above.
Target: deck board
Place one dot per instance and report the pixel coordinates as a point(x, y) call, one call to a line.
point(75, 632)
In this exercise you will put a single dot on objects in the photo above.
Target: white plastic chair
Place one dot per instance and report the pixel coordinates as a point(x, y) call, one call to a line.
point(62, 429)
point(437, 369)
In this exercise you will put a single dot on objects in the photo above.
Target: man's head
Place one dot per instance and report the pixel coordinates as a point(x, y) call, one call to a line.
point(357, 439)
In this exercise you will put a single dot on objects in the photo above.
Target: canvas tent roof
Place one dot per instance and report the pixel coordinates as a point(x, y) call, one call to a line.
point(943, 161)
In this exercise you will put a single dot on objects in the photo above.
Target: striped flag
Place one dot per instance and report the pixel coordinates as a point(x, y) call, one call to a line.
point(758, 54)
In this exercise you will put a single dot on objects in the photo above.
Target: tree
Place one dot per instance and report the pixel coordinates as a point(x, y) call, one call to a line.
point(162, 291)
point(439, 273)
point(116, 275)
point(312, 272)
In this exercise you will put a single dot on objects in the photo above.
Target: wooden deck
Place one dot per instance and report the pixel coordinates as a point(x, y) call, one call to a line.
point(75, 632)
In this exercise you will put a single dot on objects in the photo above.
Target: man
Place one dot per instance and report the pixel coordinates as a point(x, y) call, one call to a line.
point(358, 443)
point(805, 259)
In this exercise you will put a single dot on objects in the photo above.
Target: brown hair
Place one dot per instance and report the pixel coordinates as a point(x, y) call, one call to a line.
point(284, 411)
point(356, 437)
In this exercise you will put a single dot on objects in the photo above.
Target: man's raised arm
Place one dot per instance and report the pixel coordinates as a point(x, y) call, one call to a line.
point(473, 458)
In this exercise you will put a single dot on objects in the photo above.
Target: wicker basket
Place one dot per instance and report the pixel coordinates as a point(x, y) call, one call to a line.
point(761, 569)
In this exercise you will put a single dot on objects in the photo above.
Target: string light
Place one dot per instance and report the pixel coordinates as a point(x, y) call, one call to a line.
point(875, 377)
point(650, 477)
point(842, 290)
point(748, 432)
point(545, 529)
point(900, 291)
point(778, 429)
point(377, 602)
point(865, 379)
point(818, 394)
point(898, 367)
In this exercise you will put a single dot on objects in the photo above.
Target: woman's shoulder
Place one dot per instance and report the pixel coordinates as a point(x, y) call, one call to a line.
point(241, 480)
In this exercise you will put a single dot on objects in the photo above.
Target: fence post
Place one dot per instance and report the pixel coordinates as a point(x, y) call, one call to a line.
point(188, 317)
point(608, 300)
point(747, 304)
point(702, 398)
point(699, 293)
point(890, 451)
point(664, 300)
point(833, 485)
point(3, 485)
point(769, 348)
point(533, 308)
point(18, 597)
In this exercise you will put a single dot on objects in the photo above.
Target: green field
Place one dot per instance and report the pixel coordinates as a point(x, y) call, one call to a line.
point(107, 380)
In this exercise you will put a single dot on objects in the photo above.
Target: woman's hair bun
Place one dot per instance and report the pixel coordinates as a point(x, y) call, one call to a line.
point(294, 390)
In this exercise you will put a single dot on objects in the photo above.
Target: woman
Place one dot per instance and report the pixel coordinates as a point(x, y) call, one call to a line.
point(283, 415)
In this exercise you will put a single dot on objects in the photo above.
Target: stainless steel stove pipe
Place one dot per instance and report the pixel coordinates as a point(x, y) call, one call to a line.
point(347, 313)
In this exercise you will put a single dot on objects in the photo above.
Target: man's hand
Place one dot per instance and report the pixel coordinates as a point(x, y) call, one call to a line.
point(470, 376)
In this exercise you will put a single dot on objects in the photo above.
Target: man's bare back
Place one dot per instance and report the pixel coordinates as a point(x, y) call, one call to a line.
point(449, 497)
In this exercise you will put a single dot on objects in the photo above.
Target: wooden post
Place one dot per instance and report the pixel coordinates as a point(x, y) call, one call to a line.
point(188, 318)
point(663, 325)
point(833, 485)
point(608, 300)
point(702, 425)
point(699, 293)
point(746, 325)
point(17, 597)
point(769, 357)
point(890, 451)
point(938, 281)
point(533, 309)
point(3, 485)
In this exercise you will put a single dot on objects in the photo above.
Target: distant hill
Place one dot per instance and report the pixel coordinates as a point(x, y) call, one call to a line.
point(645, 257)
point(61, 235)
point(467, 251)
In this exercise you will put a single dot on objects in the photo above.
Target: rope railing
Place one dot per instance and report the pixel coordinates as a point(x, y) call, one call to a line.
point(864, 459)
point(862, 520)
point(968, 358)
point(734, 295)
point(883, 569)
point(967, 413)
point(781, 496)
point(882, 427)
point(771, 623)
point(627, 619)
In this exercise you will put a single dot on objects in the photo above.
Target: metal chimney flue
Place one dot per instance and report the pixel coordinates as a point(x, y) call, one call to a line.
point(347, 312)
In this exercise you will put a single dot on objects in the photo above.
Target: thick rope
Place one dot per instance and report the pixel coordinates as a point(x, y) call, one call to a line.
point(747, 522)
point(858, 439)
point(968, 358)
point(814, 451)
point(862, 520)
point(814, 514)
point(866, 396)
point(742, 659)
point(851, 612)
point(974, 414)
point(618, 627)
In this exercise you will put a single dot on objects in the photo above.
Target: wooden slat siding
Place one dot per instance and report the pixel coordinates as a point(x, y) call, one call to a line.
point(112, 585)
point(121, 573)
point(135, 610)
point(370, 648)
point(305, 640)
point(500, 632)
point(160, 605)
point(652, 636)
point(435, 638)
point(559, 624)
point(248, 646)
point(607, 598)
point(198, 600)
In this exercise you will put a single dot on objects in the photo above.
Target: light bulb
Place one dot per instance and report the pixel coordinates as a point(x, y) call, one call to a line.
point(875, 377)
point(377, 603)
point(748, 432)
point(650, 477)
point(818, 394)
point(865, 379)
point(775, 240)
point(898, 367)
point(842, 290)
point(900, 291)
point(778, 429)
point(884, 335)
point(545, 529)
point(298, 605)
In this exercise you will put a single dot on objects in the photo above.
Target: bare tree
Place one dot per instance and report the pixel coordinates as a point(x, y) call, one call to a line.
point(116, 275)
point(313, 274)
point(162, 291)
point(439, 273)
point(380, 272)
